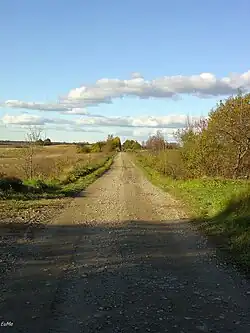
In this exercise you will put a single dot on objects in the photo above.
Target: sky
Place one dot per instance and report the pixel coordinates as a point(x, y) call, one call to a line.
point(84, 69)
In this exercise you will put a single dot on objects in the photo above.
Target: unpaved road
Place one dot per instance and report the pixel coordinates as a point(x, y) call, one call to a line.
point(121, 258)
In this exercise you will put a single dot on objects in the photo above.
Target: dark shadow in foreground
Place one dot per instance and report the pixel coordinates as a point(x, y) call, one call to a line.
point(134, 276)
point(229, 231)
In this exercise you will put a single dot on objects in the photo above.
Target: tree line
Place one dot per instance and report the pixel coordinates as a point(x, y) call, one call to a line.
point(111, 144)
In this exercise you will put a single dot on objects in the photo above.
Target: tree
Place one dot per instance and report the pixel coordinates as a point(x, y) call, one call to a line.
point(229, 125)
point(47, 142)
point(33, 137)
point(171, 145)
point(39, 142)
point(131, 145)
point(112, 143)
point(83, 148)
point(156, 142)
point(96, 147)
point(117, 143)
point(195, 151)
point(220, 144)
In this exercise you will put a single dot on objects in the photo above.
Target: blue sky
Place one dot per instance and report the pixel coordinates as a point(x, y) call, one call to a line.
point(51, 48)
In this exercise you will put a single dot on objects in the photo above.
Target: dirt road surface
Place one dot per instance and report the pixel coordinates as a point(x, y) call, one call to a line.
point(121, 258)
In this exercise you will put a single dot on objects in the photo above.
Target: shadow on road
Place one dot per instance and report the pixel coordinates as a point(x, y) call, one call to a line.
point(79, 271)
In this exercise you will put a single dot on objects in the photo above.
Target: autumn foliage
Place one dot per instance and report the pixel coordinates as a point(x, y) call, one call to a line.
point(216, 146)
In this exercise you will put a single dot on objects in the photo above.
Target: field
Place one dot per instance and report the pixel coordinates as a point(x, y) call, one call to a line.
point(40, 181)
point(48, 162)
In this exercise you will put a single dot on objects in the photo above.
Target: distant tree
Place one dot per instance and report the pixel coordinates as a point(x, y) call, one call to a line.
point(156, 142)
point(33, 140)
point(96, 148)
point(117, 143)
point(83, 148)
point(39, 142)
point(171, 145)
point(102, 144)
point(47, 142)
point(131, 145)
point(113, 143)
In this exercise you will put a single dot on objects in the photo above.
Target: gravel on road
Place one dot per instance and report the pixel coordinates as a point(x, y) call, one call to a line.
point(122, 257)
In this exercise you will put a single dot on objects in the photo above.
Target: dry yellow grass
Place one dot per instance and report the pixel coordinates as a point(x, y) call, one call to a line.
point(49, 162)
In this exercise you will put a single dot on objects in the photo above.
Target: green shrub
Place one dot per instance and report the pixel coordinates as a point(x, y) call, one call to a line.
point(82, 148)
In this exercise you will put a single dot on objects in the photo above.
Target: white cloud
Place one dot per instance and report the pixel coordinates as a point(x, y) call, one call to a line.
point(136, 75)
point(76, 111)
point(142, 134)
point(105, 90)
point(171, 121)
point(25, 120)
point(36, 106)
point(73, 129)
point(138, 128)
point(204, 84)
point(28, 119)
point(86, 130)
point(146, 131)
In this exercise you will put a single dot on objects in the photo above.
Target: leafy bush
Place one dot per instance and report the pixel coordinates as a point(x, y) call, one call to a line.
point(220, 144)
point(96, 147)
point(131, 145)
point(168, 163)
point(82, 148)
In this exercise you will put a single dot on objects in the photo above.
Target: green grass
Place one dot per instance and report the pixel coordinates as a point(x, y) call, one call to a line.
point(220, 208)
point(83, 181)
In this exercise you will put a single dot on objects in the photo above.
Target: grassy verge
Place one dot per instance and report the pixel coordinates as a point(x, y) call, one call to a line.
point(83, 181)
point(220, 208)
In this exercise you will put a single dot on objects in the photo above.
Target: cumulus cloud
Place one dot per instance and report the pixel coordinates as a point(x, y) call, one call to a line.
point(28, 119)
point(204, 85)
point(25, 120)
point(136, 127)
point(76, 111)
point(170, 121)
point(37, 106)
point(73, 129)
point(146, 131)
point(142, 134)
point(126, 127)
point(86, 130)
